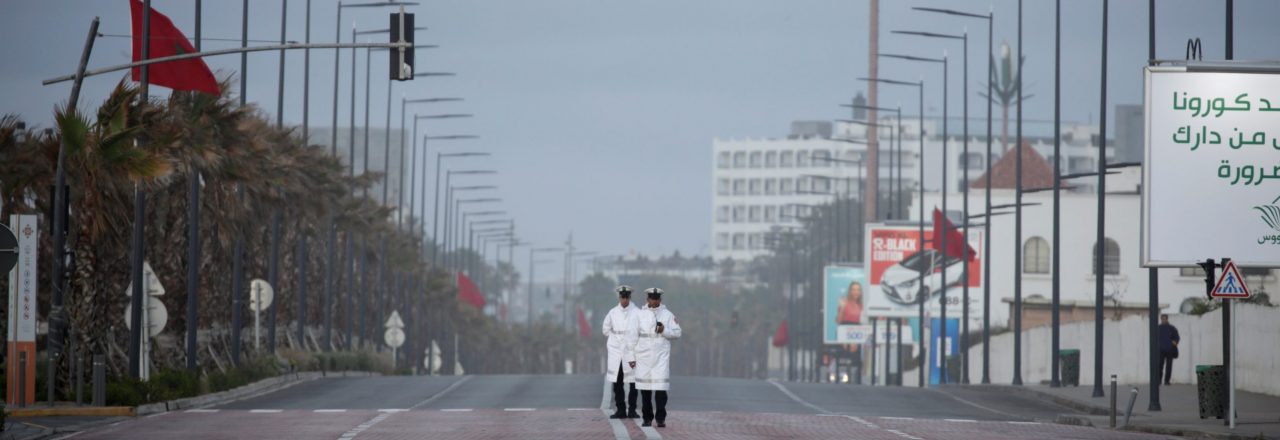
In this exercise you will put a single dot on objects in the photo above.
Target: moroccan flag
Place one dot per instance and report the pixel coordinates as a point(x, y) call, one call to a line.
point(956, 245)
point(167, 40)
point(781, 337)
point(584, 327)
point(468, 292)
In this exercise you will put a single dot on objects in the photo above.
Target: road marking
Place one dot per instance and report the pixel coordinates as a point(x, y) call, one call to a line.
point(961, 420)
point(797, 398)
point(330, 410)
point(201, 411)
point(392, 410)
point(428, 400)
point(1025, 423)
point(904, 435)
point(264, 411)
point(456, 410)
point(976, 405)
point(898, 418)
point(517, 409)
point(649, 432)
point(619, 430)
point(364, 426)
point(582, 409)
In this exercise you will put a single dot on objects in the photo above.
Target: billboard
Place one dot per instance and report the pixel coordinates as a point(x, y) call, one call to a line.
point(1211, 145)
point(843, 301)
point(896, 264)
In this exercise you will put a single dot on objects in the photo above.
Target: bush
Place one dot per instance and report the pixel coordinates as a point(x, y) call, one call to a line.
point(172, 383)
point(126, 392)
point(250, 371)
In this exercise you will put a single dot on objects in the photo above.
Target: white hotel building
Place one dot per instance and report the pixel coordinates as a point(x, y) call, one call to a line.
point(757, 183)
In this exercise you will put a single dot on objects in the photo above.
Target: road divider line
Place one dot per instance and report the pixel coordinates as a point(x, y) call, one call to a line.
point(353, 432)
point(392, 410)
point(649, 432)
point(264, 411)
point(797, 399)
point(898, 418)
point(961, 420)
point(619, 430)
point(976, 405)
point(904, 435)
point(200, 411)
point(433, 398)
point(518, 409)
point(582, 409)
point(456, 410)
point(1024, 423)
point(330, 410)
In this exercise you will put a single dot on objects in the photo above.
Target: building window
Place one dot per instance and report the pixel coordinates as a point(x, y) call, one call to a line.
point(821, 158)
point(722, 160)
point(756, 187)
point(771, 159)
point(972, 161)
point(1035, 256)
point(770, 187)
point(722, 214)
point(1111, 261)
point(1080, 164)
point(786, 186)
point(821, 185)
point(739, 241)
point(756, 215)
point(786, 159)
point(757, 159)
point(740, 160)
point(802, 159)
point(722, 241)
point(756, 241)
point(739, 187)
point(739, 214)
point(723, 187)
point(771, 214)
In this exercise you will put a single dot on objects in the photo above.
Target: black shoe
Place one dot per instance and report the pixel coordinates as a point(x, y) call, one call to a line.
point(633, 415)
point(646, 423)
point(617, 416)
point(662, 424)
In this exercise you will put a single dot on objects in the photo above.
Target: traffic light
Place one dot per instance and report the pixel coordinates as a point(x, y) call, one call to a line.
point(1208, 267)
point(402, 58)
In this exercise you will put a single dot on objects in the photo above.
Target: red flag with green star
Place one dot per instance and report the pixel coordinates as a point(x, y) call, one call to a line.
point(167, 40)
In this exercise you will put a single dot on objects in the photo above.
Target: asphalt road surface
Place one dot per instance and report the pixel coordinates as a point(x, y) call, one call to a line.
point(574, 407)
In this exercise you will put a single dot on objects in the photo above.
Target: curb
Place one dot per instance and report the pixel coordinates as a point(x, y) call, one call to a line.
point(1094, 410)
point(81, 411)
point(243, 392)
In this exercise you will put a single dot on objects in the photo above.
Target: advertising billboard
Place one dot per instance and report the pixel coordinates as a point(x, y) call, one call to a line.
point(898, 258)
point(843, 301)
point(1211, 179)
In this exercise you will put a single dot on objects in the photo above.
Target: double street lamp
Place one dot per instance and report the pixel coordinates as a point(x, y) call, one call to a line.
point(532, 252)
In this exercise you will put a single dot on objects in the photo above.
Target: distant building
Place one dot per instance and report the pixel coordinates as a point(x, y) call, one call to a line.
point(632, 265)
point(1130, 133)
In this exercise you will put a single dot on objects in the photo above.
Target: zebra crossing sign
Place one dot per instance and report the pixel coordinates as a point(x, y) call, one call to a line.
point(1230, 283)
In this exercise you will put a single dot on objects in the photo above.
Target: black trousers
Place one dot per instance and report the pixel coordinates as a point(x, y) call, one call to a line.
point(619, 392)
point(648, 399)
point(1166, 364)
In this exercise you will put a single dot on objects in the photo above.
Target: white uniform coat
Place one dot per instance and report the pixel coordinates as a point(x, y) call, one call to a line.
point(653, 350)
point(620, 327)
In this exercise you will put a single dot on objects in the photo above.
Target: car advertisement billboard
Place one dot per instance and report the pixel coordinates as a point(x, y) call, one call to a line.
point(898, 258)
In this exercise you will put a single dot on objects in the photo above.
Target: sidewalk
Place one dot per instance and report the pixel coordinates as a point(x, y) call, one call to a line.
point(1258, 414)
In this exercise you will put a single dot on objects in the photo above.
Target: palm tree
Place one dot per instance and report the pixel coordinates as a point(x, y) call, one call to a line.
point(1004, 86)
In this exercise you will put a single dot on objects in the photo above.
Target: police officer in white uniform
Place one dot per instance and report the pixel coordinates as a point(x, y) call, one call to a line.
point(658, 327)
point(621, 330)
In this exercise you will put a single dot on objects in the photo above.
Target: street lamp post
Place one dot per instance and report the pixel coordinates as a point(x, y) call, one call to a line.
point(404, 146)
point(986, 232)
point(942, 301)
point(532, 252)
point(895, 157)
point(435, 210)
point(964, 320)
point(413, 166)
point(920, 281)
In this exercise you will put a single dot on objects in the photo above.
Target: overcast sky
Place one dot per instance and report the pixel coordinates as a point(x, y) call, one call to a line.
point(601, 114)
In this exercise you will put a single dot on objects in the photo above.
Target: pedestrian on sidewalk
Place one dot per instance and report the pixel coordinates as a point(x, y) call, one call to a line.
point(1168, 346)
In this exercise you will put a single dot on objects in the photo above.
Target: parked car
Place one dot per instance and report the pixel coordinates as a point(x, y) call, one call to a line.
point(900, 281)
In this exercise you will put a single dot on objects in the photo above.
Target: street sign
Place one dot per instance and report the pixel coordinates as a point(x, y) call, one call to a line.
point(155, 317)
point(260, 295)
point(152, 284)
point(394, 321)
point(1230, 284)
point(394, 337)
point(8, 249)
point(23, 275)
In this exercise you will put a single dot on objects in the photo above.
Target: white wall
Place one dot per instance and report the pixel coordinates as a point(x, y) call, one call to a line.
point(1126, 350)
